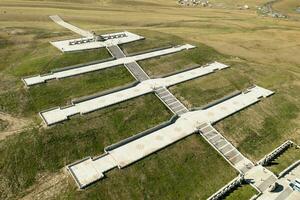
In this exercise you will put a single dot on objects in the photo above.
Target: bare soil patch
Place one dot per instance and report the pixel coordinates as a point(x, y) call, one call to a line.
point(10, 125)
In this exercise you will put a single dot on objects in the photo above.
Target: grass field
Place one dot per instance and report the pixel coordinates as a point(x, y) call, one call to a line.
point(288, 7)
point(290, 156)
point(245, 191)
point(3, 124)
point(259, 50)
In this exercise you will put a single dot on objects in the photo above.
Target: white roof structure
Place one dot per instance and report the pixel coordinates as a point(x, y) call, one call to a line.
point(88, 42)
point(57, 115)
point(34, 80)
point(90, 170)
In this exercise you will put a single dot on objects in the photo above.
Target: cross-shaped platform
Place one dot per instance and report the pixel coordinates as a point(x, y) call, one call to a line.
point(183, 123)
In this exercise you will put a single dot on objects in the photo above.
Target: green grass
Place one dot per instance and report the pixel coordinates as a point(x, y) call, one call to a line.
point(179, 61)
point(28, 102)
point(290, 156)
point(258, 129)
point(202, 91)
point(37, 55)
point(43, 58)
point(153, 39)
point(244, 192)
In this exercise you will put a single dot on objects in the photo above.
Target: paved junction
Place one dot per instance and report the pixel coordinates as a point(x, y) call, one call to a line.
point(58, 114)
point(284, 191)
point(133, 149)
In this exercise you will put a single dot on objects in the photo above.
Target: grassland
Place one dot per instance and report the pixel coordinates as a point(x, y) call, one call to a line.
point(290, 156)
point(243, 192)
point(288, 8)
point(260, 50)
point(3, 124)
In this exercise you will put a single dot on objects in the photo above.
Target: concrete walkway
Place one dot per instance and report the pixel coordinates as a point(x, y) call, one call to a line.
point(58, 114)
point(71, 27)
point(136, 71)
point(90, 170)
point(29, 81)
point(116, 52)
point(134, 68)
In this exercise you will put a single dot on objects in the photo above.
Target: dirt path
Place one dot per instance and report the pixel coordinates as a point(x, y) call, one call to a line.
point(49, 186)
point(14, 125)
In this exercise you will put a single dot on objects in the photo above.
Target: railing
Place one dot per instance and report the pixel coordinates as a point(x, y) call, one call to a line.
point(274, 154)
point(227, 188)
point(289, 168)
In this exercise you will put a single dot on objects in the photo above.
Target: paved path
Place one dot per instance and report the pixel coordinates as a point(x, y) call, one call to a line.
point(137, 72)
point(116, 52)
point(71, 27)
point(90, 68)
point(225, 148)
point(58, 114)
point(170, 101)
point(133, 67)
point(90, 170)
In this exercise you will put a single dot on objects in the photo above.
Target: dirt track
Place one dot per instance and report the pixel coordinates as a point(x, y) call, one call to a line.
point(15, 125)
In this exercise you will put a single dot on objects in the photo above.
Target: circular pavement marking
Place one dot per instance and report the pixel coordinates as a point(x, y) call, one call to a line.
point(236, 103)
point(159, 137)
point(210, 114)
point(223, 108)
point(120, 95)
point(139, 146)
point(177, 129)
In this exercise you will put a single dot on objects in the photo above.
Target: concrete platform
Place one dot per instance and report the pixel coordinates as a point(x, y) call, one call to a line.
point(88, 41)
point(65, 46)
point(58, 114)
point(38, 79)
point(287, 193)
point(187, 124)
point(90, 169)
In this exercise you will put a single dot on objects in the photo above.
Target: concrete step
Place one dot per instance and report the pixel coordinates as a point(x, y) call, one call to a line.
point(137, 71)
point(224, 147)
point(116, 52)
point(171, 101)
